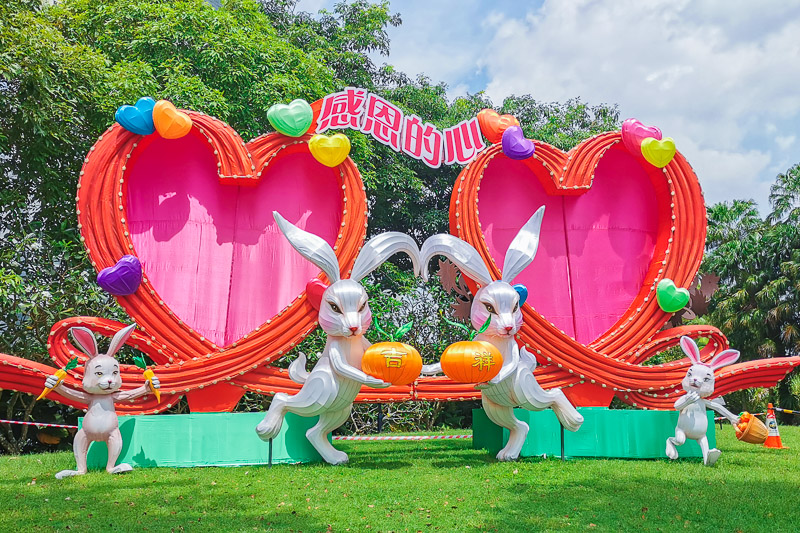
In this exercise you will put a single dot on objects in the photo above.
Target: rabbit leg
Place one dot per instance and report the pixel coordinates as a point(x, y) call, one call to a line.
point(677, 440)
point(310, 401)
point(114, 442)
point(504, 417)
point(273, 420)
point(318, 435)
point(80, 447)
point(709, 456)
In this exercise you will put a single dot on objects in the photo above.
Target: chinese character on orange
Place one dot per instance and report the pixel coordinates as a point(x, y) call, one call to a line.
point(393, 357)
point(483, 360)
point(384, 121)
point(463, 142)
point(422, 141)
point(342, 110)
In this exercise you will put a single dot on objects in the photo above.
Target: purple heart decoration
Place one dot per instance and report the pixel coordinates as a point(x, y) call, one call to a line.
point(123, 278)
point(515, 145)
point(634, 132)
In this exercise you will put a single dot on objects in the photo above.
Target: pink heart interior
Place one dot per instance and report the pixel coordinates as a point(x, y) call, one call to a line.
point(213, 252)
point(595, 248)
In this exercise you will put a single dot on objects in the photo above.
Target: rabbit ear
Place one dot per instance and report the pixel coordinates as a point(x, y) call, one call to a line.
point(119, 339)
point(724, 358)
point(85, 340)
point(690, 349)
point(380, 248)
point(310, 246)
point(523, 248)
point(459, 252)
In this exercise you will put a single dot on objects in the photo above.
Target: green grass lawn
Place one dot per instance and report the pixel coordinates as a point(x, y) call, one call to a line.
point(417, 486)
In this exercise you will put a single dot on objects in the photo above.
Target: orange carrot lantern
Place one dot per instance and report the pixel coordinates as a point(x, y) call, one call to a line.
point(394, 362)
point(471, 361)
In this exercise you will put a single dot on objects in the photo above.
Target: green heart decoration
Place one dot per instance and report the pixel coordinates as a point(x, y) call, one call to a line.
point(293, 119)
point(670, 298)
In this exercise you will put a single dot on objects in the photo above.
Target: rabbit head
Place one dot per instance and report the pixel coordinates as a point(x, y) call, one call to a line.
point(497, 299)
point(344, 307)
point(101, 371)
point(700, 376)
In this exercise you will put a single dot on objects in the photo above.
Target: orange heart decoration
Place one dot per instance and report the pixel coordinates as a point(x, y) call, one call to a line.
point(493, 124)
point(169, 122)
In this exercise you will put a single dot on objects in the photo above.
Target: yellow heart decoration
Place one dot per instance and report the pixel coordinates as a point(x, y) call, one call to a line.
point(330, 151)
point(658, 153)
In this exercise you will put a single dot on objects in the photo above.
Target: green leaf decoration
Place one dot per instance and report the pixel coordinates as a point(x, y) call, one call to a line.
point(456, 324)
point(73, 363)
point(402, 330)
point(138, 360)
point(380, 329)
point(484, 327)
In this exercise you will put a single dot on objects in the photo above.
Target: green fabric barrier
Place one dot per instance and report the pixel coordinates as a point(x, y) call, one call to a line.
point(205, 439)
point(621, 433)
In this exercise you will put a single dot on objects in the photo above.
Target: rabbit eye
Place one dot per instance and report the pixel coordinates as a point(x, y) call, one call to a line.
point(689, 373)
point(490, 308)
point(98, 373)
point(707, 378)
point(335, 307)
point(363, 306)
point(516, 308)
point(116, 372)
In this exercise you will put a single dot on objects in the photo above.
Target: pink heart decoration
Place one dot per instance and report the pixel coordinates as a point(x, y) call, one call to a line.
point(230, 269)
point(634, 132)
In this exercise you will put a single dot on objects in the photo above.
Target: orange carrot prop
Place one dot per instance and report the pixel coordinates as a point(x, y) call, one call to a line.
point(60, 374)
point(148, 375)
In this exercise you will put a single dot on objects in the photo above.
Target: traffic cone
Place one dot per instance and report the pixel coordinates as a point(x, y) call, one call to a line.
point(773, 437)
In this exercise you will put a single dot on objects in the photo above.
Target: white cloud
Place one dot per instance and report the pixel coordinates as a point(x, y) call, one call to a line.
point(719, 77)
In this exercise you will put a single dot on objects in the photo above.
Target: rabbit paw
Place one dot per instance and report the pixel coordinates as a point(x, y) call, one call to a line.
point(376, 383)
point(155, 382)
point(711, 458)
point(51, 382)
point(672, 451)
point(481, 386)
point(269, 428)
point(504, 455)
point(121, 468)
point(69, 473)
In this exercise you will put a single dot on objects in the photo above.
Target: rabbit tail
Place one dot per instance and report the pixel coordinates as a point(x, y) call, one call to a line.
point(297, 370)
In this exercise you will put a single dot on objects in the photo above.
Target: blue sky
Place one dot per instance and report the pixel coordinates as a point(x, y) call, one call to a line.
point(720, 77)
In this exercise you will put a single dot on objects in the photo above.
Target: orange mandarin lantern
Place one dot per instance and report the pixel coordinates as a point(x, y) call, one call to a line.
point(394, 362)
point(471, 361)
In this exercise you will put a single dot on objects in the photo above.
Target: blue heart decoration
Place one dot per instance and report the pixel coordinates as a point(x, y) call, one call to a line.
point(137, 118)
point(522, 290)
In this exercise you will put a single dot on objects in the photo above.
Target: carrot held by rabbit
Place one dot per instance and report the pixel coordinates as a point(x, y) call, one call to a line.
point(61, 373)
point(101, 388)
point(148, 375)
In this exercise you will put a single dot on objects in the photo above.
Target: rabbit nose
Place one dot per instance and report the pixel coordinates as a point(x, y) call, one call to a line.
point(353, 329)
point(509, 328)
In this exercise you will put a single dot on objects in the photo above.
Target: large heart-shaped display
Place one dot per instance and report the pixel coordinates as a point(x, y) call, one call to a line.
point(614, 226)
point(219, 278)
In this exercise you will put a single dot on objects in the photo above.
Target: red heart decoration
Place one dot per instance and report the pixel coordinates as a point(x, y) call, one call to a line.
point(177, 206)
point(314, 291)
point(614, 227)
point(493, 124)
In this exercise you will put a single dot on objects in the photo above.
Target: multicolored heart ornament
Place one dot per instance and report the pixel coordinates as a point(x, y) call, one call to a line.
point(330, 151)
point(670, 298)
point(293, 119)
point(169, 122)
point(123, 278)
point(634, 132)
point(137, 118)
point(658, 153)
point(493, 124)
point(515, 145)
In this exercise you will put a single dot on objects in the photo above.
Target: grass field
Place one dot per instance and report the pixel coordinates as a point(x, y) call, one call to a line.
point(417, 486)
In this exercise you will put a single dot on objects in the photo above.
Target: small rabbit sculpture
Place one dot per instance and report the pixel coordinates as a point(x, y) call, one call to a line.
point(515, 385)
point(699, 384)
point(101, 389)
point(344, 315)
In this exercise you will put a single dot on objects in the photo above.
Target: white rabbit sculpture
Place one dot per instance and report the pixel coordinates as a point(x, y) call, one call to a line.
point(699, 384)
point(515, 385)
point(344, 315)
point(101, 384)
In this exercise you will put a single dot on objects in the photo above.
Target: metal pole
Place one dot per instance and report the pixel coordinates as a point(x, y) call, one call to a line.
point(380, 417)
point(562, 443)
point(270, 453)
